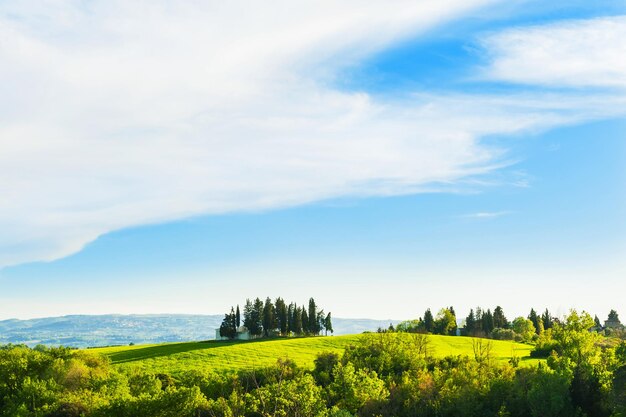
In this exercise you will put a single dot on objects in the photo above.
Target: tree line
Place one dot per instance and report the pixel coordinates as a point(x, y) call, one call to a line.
point(491, 324)
point(264, 319)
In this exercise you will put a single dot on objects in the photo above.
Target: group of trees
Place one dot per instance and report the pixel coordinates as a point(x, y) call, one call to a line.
point(444, 323)
point(485, 323)
point(276, 318)
point(383, 375)
point(481, 323)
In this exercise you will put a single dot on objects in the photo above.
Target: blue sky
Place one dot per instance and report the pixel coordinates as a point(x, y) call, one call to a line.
point(382, 161)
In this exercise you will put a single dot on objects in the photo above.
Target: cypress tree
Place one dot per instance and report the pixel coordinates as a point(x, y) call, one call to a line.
point(470, 323)
point(313, 324)
point(305, 321)
point(291, 318)
point(282, 321)
point(297, 321)
point(328, 324)
point(547, 319)
point(238, 317)
point(268, 317)
point(247, 315)
point(534, 318)
point(488, 325)
point(478, 328)
point(499, 320)
point(227, 328)
point(256, 321)
point(319, 322)
point(429, 321)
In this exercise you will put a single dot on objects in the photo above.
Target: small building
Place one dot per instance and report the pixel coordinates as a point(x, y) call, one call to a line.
point(242, 334)
point(613, 324)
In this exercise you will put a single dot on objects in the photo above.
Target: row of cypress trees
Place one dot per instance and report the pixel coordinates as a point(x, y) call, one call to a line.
point(276, 318)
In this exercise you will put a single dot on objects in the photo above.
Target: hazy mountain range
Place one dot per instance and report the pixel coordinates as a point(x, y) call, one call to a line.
point(112, 329)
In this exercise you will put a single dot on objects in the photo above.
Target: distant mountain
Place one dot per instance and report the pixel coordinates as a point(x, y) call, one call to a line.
point(112, 329)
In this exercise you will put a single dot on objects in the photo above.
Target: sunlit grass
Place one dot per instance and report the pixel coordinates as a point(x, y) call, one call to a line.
point(175, 358)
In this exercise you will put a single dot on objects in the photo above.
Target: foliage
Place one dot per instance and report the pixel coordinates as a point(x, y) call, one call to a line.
point(445, 323)
point(386, 374)
point(524, 328)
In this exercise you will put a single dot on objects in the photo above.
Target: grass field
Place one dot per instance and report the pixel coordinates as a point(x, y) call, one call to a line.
point(175, 358)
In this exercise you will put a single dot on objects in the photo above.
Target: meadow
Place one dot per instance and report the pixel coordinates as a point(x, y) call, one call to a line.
point(225, 356)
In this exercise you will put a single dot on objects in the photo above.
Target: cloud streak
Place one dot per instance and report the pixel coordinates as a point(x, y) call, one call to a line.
point(117, 114)
point(486, 214)
point(578, 53)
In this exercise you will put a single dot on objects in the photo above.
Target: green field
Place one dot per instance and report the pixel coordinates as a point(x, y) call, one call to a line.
point(175, 358)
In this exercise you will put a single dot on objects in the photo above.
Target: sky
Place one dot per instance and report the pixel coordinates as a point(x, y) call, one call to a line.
point(383, 158)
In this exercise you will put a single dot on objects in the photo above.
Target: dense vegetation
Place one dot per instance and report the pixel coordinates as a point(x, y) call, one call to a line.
point(276, 318)
point(388, 374)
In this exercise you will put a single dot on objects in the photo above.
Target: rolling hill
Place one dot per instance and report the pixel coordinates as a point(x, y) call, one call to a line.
point(176, 358)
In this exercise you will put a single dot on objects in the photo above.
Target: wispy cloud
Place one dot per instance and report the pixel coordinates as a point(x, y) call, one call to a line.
point(486, 214)
point(577, 53)
point(116, 114)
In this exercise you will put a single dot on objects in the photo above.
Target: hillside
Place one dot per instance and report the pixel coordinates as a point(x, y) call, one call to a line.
point(227, 356)
point(113, 329)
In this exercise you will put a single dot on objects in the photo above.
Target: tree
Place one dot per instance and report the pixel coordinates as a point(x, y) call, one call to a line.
point(445, 322)
point(328, 324)
point(254, 320)
point(478, 328)
point(470, 323)
point(487, 322)
point(297, 321)
point(238, 316)
point(524, 327)
point(351, 388)
point(282, 316)
point(269, 323)
point(547, 319)
point(291, 318)
point(613, 317)
point(579, 357)
point(596, 322)
point(429, 321)
point(313, 323)
point(305, 320)
point(248, 317)
point(540, 329)
point(320, 321)
point(534, 318)
point(499, 320)
point(228, 328)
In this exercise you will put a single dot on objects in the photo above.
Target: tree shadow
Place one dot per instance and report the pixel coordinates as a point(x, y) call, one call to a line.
point(150, 352)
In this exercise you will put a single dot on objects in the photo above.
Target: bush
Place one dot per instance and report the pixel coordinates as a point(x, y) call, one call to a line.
point(502, 334)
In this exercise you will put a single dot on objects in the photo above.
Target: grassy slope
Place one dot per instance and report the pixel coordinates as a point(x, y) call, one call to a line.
point(175, 358)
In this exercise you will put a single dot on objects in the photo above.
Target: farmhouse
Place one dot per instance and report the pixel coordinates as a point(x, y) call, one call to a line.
point(242, 334)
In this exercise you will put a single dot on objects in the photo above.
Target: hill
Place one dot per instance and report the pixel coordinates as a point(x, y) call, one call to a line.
point(215, 356)
point(113, 329)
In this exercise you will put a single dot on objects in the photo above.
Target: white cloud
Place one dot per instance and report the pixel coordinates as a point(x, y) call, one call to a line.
point(117, 114)
point(578, 53)
point(486, 214)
